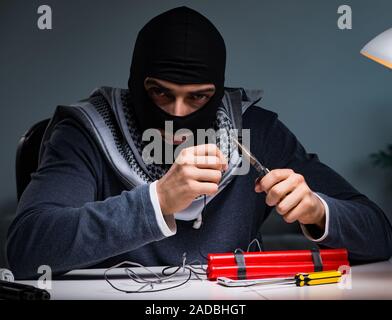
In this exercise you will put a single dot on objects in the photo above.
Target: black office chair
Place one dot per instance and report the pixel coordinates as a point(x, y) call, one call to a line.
point(27, 153)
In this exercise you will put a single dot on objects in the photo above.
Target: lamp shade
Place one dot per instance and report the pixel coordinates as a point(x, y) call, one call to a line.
point(380, 49)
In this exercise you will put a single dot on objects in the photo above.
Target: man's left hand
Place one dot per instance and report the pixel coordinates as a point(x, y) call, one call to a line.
point(293, 198)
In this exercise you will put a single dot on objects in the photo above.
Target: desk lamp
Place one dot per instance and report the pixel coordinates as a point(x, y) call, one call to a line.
point(380, 49)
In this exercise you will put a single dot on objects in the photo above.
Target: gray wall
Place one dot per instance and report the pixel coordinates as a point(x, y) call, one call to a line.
point(338, 103)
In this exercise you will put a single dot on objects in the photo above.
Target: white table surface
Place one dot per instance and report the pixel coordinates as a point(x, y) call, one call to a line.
point(369, 281)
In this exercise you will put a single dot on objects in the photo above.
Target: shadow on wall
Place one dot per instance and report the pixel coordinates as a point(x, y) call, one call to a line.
point(381, 181)
point(377, 178)
point(7, 214)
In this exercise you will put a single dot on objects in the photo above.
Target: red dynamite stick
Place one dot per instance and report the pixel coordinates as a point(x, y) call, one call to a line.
point(277, 257)
point(268, 270)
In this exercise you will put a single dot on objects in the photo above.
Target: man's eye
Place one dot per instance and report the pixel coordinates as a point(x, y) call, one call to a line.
point(157, 92)
point(199, 97)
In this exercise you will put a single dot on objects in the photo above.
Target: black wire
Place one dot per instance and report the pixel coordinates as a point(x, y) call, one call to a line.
point(151, 290)
point(141, 280)
point(189, 265)
point(169, 267)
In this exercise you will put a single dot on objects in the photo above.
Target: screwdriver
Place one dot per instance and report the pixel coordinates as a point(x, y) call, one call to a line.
point(300, 280)
point(316, 278)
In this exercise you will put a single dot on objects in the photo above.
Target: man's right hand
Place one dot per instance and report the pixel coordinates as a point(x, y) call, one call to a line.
point(196, 171)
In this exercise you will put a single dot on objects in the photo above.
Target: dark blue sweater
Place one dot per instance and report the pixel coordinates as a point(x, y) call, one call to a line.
point(76, 213)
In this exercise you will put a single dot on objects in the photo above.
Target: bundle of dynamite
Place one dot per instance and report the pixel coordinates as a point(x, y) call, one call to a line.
point(270, 264)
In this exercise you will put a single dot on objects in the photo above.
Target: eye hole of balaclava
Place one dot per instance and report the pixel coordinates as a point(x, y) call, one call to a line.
point(180, 46)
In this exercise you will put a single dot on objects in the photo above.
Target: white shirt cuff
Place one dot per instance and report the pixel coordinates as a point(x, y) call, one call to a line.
point(167, 224)
point(306, 232)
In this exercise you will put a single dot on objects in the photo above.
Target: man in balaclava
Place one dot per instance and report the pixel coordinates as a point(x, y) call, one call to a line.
point(93, 202)
point(183, 47)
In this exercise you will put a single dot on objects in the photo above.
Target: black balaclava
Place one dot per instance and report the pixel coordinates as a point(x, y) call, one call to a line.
point(180, 46)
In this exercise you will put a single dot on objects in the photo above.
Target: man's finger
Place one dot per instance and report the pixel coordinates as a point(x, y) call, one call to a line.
point(295, 214)
point(208, 162)
point(208, 188)
point(209, 150)
point(280, 190)
point(207, 175)
point(274, 177)
point(290, 201)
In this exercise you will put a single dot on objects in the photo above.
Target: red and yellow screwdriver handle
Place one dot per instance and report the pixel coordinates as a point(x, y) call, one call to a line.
point(316, 278)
